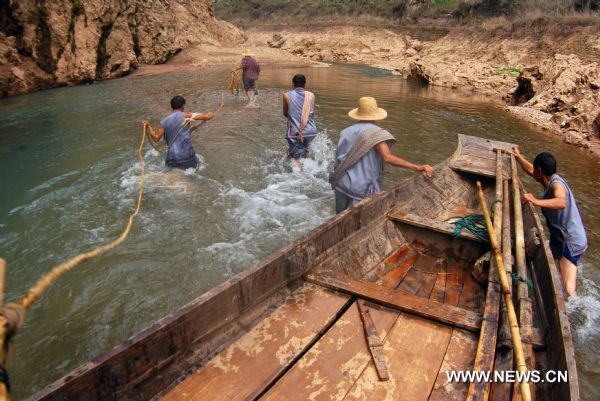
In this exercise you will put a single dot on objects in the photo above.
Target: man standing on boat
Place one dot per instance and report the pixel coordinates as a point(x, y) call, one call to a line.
point(176, 131)
point(568, 240)
point(361, 152)
point(298, 108)
point(251, 71)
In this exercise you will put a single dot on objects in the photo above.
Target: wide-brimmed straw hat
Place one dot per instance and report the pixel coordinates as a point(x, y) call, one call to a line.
point(247, 53)
point(367, 110)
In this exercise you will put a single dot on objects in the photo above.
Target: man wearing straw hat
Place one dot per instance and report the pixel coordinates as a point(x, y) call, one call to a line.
point(251, 72)
point(361, 152)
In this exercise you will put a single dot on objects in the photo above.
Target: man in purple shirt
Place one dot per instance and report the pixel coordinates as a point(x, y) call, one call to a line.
point(251, 72)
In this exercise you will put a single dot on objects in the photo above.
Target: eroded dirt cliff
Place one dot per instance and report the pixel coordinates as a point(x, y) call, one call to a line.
point(45, 43)
point(547, 75)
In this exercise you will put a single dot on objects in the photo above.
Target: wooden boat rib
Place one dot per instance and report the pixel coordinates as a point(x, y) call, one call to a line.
point(289, 328)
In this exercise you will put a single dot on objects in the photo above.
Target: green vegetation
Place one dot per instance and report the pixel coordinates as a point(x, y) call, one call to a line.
point(312, 11)
point(513, 72)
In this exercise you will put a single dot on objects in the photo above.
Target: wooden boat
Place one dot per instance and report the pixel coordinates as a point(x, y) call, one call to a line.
point(291, 327)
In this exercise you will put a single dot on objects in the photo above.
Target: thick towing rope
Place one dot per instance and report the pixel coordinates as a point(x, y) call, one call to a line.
point(12, 315)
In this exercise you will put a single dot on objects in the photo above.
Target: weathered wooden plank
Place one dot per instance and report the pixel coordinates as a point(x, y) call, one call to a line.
point(373, 340)
point(397, 255)
point(459, 357)
point(439, 289)
point(429, 278)
point(415, 349)
point(406, 302)
point(328, 370)
point(242, 370)
point(435, 225)
point(395, 276)
point(470, 296)
point(416, 277)
point(454, 283)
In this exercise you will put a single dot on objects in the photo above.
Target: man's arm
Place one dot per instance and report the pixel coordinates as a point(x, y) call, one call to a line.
point(200, 116)
point(526, 165)
point(285, 105)
point(384, 151)
point(156, 136)
point(241, 66)
point(557, 202)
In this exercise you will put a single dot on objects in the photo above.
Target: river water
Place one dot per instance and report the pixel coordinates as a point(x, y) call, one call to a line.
point(70, 174)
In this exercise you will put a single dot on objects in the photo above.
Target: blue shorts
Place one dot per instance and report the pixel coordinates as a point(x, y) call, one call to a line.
point(297, 149)
point(183, 164)
point(249, 84)
point(567, 255)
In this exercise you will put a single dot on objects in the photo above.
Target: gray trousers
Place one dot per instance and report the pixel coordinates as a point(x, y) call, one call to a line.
point(343, 201)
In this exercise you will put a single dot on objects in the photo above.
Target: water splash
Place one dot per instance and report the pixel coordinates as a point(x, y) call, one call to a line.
point(290, 204)
point(584, 309)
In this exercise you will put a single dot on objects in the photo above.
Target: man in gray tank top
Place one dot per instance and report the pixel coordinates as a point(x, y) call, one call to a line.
point(175, 130)
point(568, 240)
point(362, 150)
point(299, 108)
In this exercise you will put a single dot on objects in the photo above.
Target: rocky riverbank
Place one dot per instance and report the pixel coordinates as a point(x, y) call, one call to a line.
point(44, 44)
point(548, 76)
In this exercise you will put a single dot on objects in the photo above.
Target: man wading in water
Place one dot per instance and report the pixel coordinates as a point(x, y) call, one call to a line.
point(176, 131)
point(568, 240)
point(299, 107)
point(359, 158)
point(250, 75)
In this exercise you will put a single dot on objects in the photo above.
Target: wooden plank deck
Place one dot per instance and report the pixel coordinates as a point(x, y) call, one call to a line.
point(245, 368)
point(312, 347)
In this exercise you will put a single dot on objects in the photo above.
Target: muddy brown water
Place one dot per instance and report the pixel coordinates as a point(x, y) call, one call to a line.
point(70, 174)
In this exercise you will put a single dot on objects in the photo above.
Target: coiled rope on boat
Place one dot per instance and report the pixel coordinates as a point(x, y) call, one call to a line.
point(475, 223)
point(12, 315)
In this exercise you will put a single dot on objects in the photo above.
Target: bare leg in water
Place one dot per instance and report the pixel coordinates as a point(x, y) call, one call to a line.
point(568, 271)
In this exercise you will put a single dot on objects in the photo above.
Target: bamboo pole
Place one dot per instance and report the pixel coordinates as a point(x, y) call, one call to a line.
point(512, 317)
point(523, 298)
point(504, 333)
point(486, 346)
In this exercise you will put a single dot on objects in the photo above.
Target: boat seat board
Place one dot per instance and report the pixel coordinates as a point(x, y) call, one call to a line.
point(246, 367)
point(476, 165)
point(435, 225)
point(478, 156)
point(406, 302)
